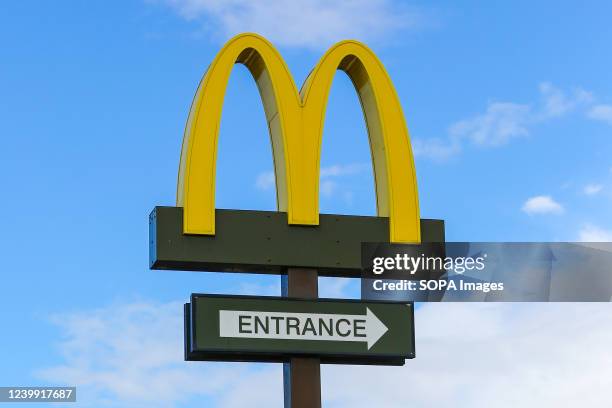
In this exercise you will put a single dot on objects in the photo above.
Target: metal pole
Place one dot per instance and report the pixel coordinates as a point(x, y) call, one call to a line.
point(301, 376)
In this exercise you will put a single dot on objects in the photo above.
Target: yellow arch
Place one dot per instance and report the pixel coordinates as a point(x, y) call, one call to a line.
point(196, 180)
point(395, 176)
point(296, 128)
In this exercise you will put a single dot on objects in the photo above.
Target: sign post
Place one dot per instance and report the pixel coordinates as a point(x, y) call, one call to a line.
point(299, 329)
point(301, 375)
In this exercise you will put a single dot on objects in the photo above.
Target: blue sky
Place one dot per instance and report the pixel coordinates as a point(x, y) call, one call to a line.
point(509, 107)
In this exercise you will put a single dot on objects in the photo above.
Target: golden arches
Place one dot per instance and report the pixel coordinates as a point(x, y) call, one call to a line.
point(296, 127)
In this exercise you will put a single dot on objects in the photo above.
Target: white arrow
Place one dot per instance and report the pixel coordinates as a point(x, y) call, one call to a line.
point(301, 326)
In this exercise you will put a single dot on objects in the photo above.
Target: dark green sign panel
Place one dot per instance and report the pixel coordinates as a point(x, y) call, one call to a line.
point(250, 328)
point(263, 242)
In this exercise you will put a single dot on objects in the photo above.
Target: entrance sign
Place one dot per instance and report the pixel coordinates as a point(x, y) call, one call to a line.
point(272, 329)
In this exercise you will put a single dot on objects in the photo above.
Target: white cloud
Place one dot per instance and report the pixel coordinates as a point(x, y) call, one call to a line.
point(593, 233)
point(328, 186)
point(262, 387)
point(130, 355)
point(435, 148)
point(592, 189)
point(301, 23)
point(503, 121)
point(601, 112)
point(337, 287)
point(468, 355)
point(542, 205)
point(265, 181)
point(557, 102)
point(343, 169)
point(483, 355)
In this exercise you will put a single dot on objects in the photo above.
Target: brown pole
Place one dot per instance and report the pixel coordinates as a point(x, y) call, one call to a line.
point(301, 376)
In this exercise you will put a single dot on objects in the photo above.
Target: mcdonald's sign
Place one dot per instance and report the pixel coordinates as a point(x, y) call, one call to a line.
point(196, 236)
